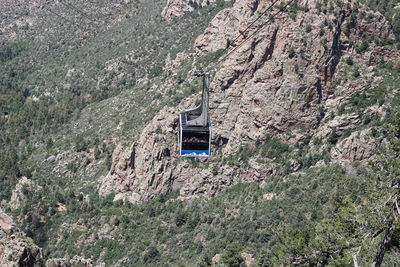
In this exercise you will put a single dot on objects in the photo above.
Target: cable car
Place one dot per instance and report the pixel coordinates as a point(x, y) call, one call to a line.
point(195, 125)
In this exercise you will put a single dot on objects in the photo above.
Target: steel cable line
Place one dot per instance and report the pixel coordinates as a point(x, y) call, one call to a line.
point(89, 17)
point(61, 16)
point(259, 17)
point(81, 12)
point(254, 33)
point(71, 22)
point(75, 9)
point(70, 6)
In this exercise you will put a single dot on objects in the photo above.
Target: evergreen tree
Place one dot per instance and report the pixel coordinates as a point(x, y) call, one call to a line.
point(381, 211)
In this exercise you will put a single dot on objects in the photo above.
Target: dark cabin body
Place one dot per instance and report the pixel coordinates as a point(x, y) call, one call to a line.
point(195, 126)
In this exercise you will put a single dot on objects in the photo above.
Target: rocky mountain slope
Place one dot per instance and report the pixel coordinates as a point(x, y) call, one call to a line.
point(303, 102)
point(286, 82)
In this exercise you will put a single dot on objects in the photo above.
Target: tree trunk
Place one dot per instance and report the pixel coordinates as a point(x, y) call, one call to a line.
point(384, 244)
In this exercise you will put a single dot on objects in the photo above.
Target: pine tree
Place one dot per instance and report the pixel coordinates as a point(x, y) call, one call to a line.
point(382, 210)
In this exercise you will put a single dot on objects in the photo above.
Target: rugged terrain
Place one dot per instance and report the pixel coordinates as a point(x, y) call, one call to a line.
point(303, 104)
point(281, 84)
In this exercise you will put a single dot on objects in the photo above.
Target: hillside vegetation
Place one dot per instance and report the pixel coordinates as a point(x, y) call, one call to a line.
point(79, 77)
point(46, 83)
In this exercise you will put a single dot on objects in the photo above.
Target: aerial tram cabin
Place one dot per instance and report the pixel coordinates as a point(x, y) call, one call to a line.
point(195, 125)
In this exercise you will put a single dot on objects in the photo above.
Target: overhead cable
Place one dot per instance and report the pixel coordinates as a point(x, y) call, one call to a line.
point(271, 18)
point(61, 16)
point(71, 6)
point(254, 21)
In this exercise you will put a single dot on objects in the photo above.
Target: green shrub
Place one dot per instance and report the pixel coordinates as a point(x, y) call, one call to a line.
point(81, 144)
point(321, 31)
point(291, 52)
point(349, 61)
point(333, 137)
point(7, 185)
point(49, 143)
point(362, 47)
point(231, 256)
point(159, 130)
point(12, 50)
point(151, 254)
point(356, 73)
point(180, 219)
point(273, 148)
point(97, 153)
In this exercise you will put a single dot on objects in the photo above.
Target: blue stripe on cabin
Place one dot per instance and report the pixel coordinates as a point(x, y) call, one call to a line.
point(195, 152)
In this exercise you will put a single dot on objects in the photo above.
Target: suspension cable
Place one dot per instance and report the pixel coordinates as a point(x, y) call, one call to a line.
point(254, 33)
point(61, 16)
point(72, 7)
point(254, 21)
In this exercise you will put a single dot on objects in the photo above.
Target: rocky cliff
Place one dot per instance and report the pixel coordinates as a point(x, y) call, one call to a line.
point(292, 80)
point(15, 248)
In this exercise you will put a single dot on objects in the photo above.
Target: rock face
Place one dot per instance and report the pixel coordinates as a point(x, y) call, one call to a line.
point(358, 146)
point(227, 25)
point(18, 196)
point(15, 248)
point(288, 74)
point(75, 261)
